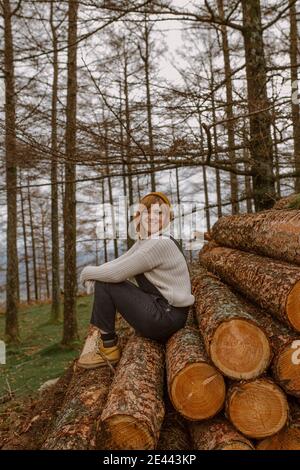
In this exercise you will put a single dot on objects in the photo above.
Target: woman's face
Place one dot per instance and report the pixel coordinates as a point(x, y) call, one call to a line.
point(152, 220)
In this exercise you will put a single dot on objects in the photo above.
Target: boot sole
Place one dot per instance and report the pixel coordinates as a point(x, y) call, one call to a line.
point(95, 366)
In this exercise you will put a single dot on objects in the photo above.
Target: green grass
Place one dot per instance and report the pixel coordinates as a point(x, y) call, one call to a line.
point(39, 357)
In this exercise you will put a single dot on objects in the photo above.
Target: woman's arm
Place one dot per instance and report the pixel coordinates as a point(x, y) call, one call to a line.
point(124, 266)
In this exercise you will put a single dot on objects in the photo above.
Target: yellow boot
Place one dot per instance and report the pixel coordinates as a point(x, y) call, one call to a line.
point(101, 356)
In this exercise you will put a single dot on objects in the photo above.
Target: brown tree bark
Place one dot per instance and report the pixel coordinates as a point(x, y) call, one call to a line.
point(33, 247)
point(229, 110)
point(257, 408)
point(174, 434)
point(75, 426)
point(218, 434)
point(55, 268)
point(273, 285)
point(288, 202)
point(234, 340)
point(26, 256)
point(258, 104)
point(70, 331)
point(268, 233)
point(294, 45)
point(11, 313)
point(196, 388)
point(134, 411)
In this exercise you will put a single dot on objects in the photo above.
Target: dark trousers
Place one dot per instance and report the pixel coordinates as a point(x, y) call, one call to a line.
point(149, 314)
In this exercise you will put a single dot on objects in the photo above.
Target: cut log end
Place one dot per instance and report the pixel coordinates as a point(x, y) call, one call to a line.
point(198, 391)
point(125, 432)
point(287, 371)
point(240, 349)
point(258, 408)
point(287, 439)
point(293, 306)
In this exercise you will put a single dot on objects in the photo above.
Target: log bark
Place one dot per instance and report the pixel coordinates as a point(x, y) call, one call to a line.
point(36, 427)
point(195, 387)
point(288, 438)
point(218, 434)
point(273, 285)
point(269, 233)
point(134, 412)
point(288, 202)
point(174, 433)
point(257, 408)
point(234, 340)
point(285, 367)
point(76, 425)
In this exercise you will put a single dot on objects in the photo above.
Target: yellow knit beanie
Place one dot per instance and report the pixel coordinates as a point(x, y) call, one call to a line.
point(161, 195)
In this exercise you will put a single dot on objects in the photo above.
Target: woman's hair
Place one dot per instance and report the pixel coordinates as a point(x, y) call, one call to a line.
point(154, 198)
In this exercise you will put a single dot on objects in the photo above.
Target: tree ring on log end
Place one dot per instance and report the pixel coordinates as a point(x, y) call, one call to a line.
point(198, 391)
point(258, 408)
point(293, 306)
point(287, 371)
point(127, 433)
point(240, 349)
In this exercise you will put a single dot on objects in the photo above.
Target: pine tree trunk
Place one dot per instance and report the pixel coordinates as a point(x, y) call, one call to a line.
point(56, 300)
point(70, 332)
point(229, 111)
point(26, 257)
point(294, 47)
point(11, 314)
point(33, 247)
point(273, 285)
point(258, 104)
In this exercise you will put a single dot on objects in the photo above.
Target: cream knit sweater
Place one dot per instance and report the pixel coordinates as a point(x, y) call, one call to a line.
point(159, 259)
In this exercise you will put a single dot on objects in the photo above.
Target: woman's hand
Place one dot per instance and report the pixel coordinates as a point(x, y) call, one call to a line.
point(86, 282)
point(84, 276)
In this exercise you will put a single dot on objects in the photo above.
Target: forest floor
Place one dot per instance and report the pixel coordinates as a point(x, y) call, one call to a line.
point(39, 357)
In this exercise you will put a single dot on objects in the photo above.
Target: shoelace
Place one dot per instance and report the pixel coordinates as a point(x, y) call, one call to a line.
point(98, 342)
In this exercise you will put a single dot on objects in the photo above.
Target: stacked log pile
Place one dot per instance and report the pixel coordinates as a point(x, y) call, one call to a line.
point(249, 274)
point(228, 380)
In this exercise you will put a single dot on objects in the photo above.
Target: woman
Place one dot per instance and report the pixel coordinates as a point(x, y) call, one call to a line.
point(157, 304)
